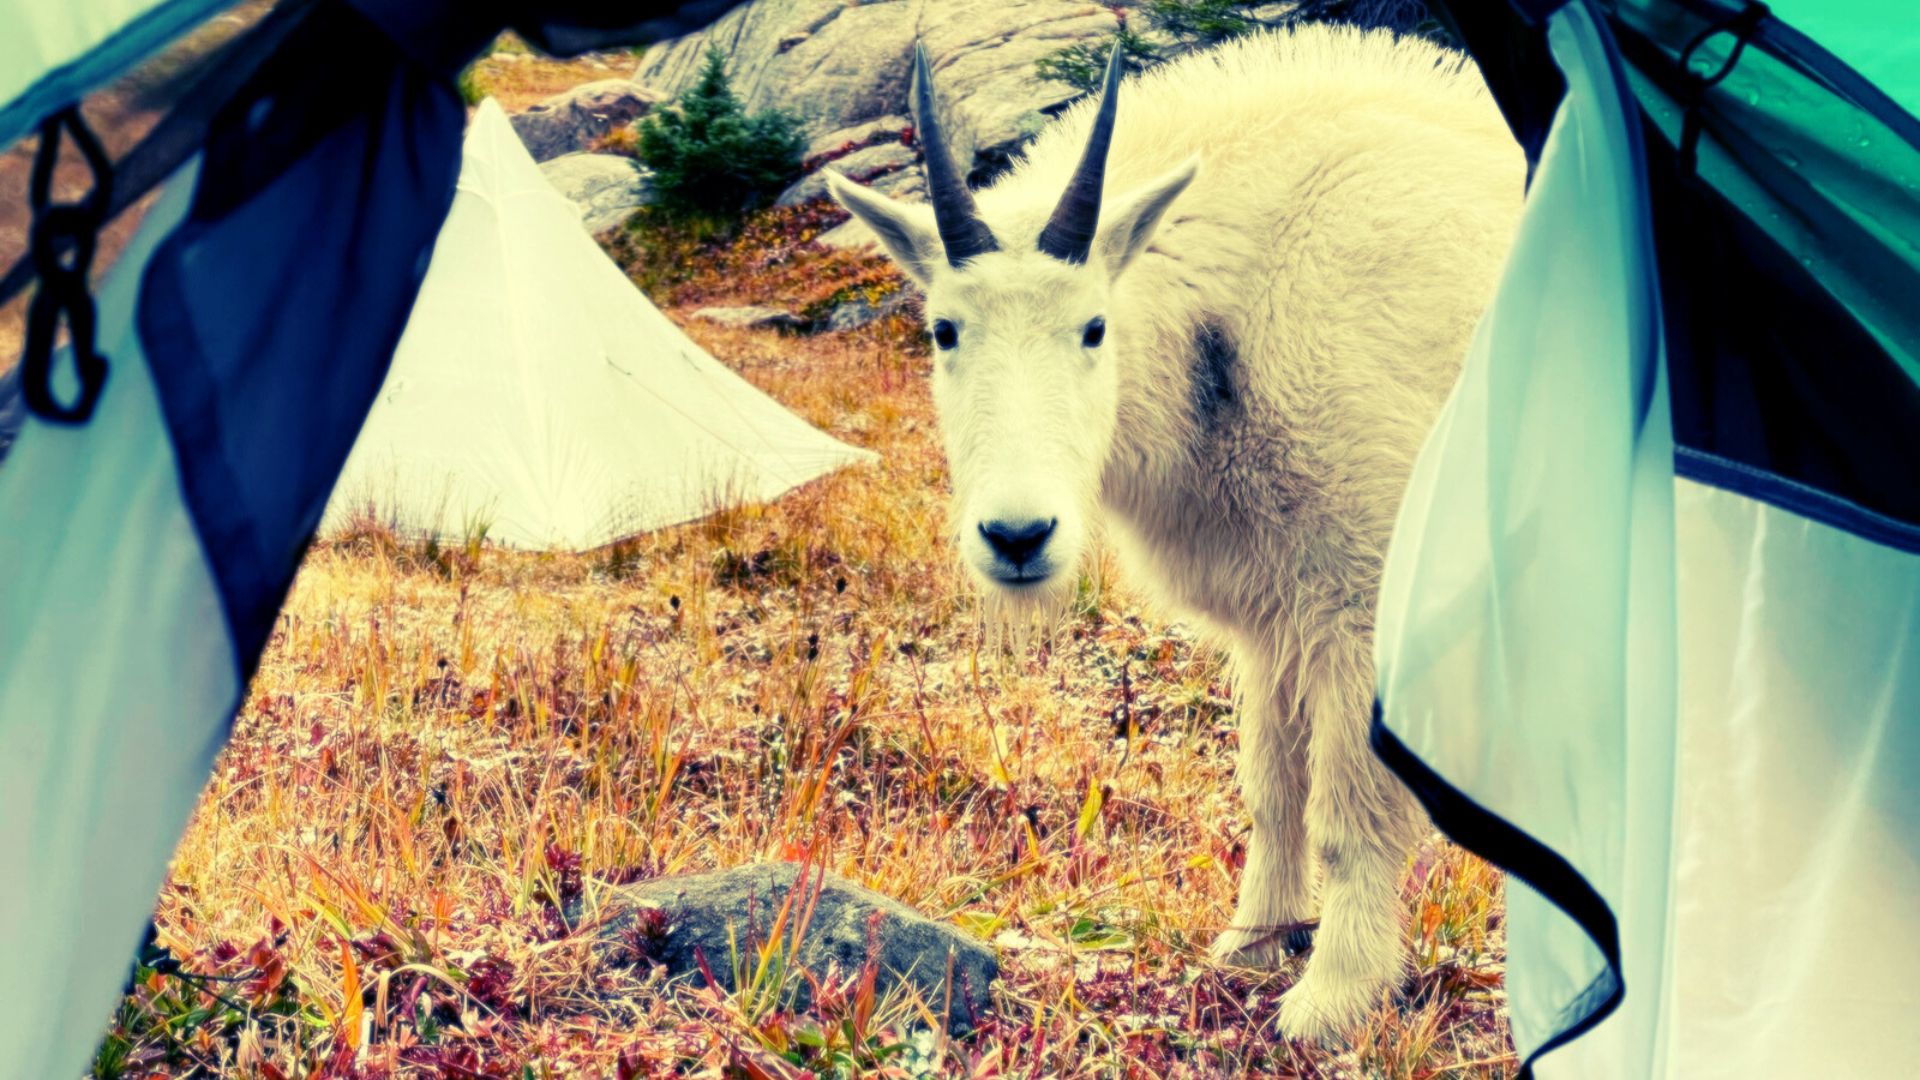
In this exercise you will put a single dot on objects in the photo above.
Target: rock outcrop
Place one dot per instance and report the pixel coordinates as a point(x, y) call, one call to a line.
point(827, 63)
point(886, 129)
point(572, 122)
point(606, 187)
point(834, 65)
point(888, 167)
point(880, 153)
point(844, 71)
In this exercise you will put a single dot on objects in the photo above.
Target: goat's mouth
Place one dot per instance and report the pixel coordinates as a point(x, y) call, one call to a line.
point(1021, 578)
point(1015, 593)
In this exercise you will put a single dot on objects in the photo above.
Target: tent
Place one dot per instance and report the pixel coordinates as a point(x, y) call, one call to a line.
point(1648, 632)
point(1649, 636)
point(537, 393)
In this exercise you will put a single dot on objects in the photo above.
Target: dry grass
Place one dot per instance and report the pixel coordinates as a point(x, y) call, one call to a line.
point(452, 757)
point(517, 77)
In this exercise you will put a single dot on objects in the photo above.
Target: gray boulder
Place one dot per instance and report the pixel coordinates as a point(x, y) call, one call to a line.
point(607, 188)
point(752, 317)
point(698, 909)
point(870, 165)
point(571, 122)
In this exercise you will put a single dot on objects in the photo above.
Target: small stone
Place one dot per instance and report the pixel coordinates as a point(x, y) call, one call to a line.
point(848, 924)
point(859, 311)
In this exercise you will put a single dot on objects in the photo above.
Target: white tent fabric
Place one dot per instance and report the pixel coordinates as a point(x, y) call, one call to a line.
point(1681, 713)
point(1796, 870)
point(1542, 501)
point(116, 681)
point(537, 392)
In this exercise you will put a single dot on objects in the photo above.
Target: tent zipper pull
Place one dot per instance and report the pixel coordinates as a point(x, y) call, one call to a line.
point(62, 245)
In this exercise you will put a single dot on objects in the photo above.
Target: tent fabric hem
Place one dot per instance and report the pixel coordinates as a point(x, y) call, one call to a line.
point(1513, 850)
point(1794, 497)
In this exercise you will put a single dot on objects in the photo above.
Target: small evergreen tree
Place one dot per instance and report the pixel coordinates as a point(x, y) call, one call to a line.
point(708, 156)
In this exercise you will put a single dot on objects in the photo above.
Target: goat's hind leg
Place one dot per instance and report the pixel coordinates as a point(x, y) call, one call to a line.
point(1360, 822)
point(1276, 886)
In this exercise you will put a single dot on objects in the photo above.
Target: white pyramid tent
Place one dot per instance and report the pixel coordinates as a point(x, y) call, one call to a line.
point(537, 391)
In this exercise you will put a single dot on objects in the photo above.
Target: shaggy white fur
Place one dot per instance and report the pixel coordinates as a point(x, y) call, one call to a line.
point(1337, 205)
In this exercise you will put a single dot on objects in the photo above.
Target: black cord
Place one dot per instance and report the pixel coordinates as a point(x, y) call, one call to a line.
point(1743, 24)
point(62, 245)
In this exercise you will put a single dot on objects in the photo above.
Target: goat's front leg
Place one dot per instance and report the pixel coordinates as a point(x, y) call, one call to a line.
point(1360, 822)
point(1276, 887)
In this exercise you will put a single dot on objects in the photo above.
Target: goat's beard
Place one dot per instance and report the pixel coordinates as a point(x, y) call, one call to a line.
point(1014, 620)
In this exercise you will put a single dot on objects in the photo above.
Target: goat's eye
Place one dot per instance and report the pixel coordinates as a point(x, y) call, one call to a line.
point(1095, 333)
point(945, 334)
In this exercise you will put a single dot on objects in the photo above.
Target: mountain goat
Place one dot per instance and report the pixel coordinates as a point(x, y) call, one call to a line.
point(1233, 361)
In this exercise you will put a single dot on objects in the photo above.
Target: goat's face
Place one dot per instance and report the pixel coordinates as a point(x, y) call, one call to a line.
point(1025, 387)
point(1025, 376)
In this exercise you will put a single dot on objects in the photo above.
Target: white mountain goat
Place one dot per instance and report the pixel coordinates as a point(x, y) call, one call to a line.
point(1236, 359)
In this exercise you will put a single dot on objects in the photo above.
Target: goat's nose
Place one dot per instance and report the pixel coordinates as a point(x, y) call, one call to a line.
point(1017, 541)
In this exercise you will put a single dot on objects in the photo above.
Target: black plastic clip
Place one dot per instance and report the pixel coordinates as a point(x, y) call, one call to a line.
point(62, 246)
point(1742, 24)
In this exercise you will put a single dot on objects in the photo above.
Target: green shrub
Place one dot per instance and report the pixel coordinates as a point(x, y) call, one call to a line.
point(1082, 65)
point(709, 157)
point(471, 91)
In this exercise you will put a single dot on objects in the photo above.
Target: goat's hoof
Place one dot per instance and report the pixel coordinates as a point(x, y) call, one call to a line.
point(1261, 949)
point(1322, 1011)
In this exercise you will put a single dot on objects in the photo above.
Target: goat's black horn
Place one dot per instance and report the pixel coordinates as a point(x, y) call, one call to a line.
point(1069, 232)
point(962, 232)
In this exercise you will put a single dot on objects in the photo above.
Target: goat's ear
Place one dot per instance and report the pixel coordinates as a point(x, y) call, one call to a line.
point(1124, 231)
point(906, 231)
